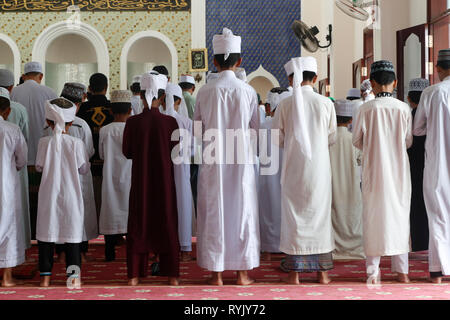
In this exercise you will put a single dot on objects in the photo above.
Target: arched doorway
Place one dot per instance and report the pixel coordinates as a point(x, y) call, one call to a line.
point(143, 51)
point(10, 56)
point(262, 81)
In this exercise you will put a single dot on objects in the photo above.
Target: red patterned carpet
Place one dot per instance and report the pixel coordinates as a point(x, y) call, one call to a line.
point(108, 281)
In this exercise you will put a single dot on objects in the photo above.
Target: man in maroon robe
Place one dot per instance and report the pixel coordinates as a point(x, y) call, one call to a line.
point(153, 216)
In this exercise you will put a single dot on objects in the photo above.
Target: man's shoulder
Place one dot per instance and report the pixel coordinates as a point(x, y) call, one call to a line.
point(9, 127)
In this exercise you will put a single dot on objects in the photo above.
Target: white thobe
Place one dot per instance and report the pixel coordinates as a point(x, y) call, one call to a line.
point(269, 190)
point(116, 183)
point(13, 157)
point(227, 217)
point(32, 96)
point(182, 174)
point(433, 120)
point(306, 227)
point(136, 105)
point(60, 215)
point(19, 116)
point(383, 131)
point(346, 207)
point(80, 129)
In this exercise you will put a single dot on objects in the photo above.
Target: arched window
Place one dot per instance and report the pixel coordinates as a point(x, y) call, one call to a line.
point(10, 56)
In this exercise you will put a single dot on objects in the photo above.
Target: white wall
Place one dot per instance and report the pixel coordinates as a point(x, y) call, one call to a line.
point(71, 48)
point(6, 55)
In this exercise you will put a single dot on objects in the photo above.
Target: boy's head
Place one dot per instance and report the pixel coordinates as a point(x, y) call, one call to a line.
point(153, 87)
point(416, 87)
point(310, 70)
point(344, 111)
point(121, 104)
point(382, 77)
point(33, 71)
point(60, 111)
point(136, 85)
point(162, 70)
point(74, 92)
point(227, 50)
point(443, 64)
point(98, 84)
point(187, 83)
point(6, 79)
point(353, 94)
point(175, 93)
point(5, 103)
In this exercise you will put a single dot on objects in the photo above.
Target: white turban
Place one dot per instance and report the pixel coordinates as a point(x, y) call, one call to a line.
point(289, 67)
point(309, 64)
point(151, 82)
point(174, 90)
point(226, 43)
point(60, 117)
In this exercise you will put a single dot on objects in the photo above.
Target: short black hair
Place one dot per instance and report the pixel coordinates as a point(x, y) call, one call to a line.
point(444, 64)
point(279, 90)
point(415, 96)
point(186, 85)
point(98, 82)
point(21, 80)
point(120, 107)
point(308, 75)
point(135, 87)
point(4, 104)
point(161, 70)
point(33, 74)
point(343, 120)
point(230, 62)
point(161, 92)
point(175, 99)
point(352, 98)
point(383, 77)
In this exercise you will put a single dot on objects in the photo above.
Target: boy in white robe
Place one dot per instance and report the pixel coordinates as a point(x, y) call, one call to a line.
point(13, 157)
point(346, 206)
point(116, 183)
point(383, 131)
point(136, 103)
point(173, 102)
point(61, 159)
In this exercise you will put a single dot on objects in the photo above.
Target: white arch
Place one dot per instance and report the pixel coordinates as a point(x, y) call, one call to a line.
point(261, 72)
point(80, 28)
point(16, 54)
point(132, 40)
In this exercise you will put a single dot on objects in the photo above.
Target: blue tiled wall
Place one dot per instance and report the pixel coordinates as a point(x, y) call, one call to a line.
point(265, 28)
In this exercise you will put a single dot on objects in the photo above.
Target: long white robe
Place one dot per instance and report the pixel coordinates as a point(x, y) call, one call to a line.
point(13, 157)
point(433, 120)
point(306, 227)
point(269, 191)
point(227, 217)
point(80, 129)
point(116, 183)
point(60, 217)
point(32, 96)
point(136, 105)
point(383, 131)
point(19, 116)
point(182, 173)
point(346, 207)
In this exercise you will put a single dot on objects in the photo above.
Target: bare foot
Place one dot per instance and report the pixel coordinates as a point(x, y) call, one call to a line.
point(293, 278)
point(436, 280)
point(323, 277)
point(243, 279)
point(216, 279)
point(373, 281)
point(186, 257)
point(133, 282)
point(403, 278)
point(61, 258)
point(173, 281)
point(45, 281)
point(8, 283)
point(266, 256)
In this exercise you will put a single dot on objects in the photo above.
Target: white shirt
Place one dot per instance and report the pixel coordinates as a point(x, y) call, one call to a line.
point(136, 105)
point(116, 180)
point(227, 214)
point(13, 157)
point(32, 96)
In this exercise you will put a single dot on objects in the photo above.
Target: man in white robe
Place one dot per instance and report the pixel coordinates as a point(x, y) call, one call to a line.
point(383, 131)
point(13, 157)
point(173, 102)
point(433, 120)
point(116, 183)
point(307, 127)
point(227, 217)
point(346, 207)
point(19, 116)
point(136, 102)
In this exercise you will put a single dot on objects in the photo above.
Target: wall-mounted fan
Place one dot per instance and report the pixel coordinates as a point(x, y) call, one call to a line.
point(307, 36)
point(356, 8)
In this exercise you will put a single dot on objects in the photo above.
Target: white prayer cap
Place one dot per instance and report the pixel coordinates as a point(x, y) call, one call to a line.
point(60, 111)
point(354, 93)
point(241, 74)
point(289, 67)
point(226, 43)
point(6, 78)
point(136, 79)
point(344, 108)
point(187, 79)
point(210, 76)
point(366, 86)
point(309, 64)
point(121, 96)
point(418, 84)
point(32, 67)
point(174, 90)
point(151, 82)
point(4, 93)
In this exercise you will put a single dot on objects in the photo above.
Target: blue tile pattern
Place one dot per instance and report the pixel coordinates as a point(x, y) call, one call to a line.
point(265, 28)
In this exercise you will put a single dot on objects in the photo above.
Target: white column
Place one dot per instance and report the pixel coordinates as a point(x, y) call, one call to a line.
point(198, 30)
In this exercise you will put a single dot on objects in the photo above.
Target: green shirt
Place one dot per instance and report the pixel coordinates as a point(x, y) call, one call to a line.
point(190, 103)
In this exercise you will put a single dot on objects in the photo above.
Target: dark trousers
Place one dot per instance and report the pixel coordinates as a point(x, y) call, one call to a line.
point(194, 179)
point(137, 265)
point(84, 247)
point(110, 246)
point(46, 251)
